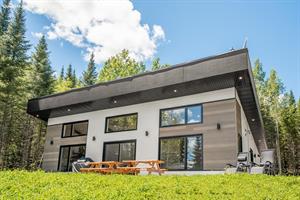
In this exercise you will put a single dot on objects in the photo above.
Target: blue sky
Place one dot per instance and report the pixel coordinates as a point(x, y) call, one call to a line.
point(195, 29)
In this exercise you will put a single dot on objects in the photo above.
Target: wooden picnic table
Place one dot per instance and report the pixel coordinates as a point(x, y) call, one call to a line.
point(109, 164)
point(154, 165)
point(131, 167)
point(97, 167)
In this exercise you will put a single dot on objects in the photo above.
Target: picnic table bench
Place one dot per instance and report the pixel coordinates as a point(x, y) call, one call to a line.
point(131, 167)
point(109, 167)
point(153, 165)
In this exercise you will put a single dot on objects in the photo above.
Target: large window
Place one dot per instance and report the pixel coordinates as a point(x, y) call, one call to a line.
point(182, 153)
point(68, 155)
point(180, 116)
point(119, 151)
point(75, 129)
point(121, 123)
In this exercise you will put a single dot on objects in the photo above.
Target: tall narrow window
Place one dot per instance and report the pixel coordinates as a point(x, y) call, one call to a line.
point(182, 153)
point(119, 151)
point(240, 143)
point(75, 129)
point(181, 116)
point(70, 154)
point(119, 123)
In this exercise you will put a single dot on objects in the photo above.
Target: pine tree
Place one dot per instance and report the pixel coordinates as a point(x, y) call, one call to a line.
point(65, 81)
point(260, 83)
point(43, 80)
point(120, 66)
point(74, 79)
point(62, 73)
point(13, 61)
point(70, 77)
point(90, 75)
point(298, 138)
point(289, 136)
point(259, 77)
point(69, 73)
point(4, 16)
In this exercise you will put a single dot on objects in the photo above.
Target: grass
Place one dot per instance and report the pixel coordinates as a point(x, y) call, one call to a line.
point(41, 185)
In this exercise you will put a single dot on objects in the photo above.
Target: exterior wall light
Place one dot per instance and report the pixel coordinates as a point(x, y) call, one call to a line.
point(218, 126)
point(94, 138)
point(51, 142)
point(146, 133)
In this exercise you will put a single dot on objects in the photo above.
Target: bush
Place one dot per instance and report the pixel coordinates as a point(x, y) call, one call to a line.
point(41, 185)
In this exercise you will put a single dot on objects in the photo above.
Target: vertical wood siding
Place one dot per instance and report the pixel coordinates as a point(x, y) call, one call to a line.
point(51, 152)
point(219, 146)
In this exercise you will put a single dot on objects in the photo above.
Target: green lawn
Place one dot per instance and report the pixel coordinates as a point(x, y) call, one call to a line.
point(40, 185)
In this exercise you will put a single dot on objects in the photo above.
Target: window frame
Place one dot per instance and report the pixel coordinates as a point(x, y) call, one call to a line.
point(69, 146)
point(118, 142)
point(185, 115)
point(123, 115)
point(72, 124)
point(186, 151)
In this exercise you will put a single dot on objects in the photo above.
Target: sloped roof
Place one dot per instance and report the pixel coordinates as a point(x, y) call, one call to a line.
point(201, 75)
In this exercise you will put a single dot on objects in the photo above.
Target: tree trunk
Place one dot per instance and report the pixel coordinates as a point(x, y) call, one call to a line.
point(278, 148)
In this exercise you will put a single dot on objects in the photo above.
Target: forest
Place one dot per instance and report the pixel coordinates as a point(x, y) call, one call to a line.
point(25, 75)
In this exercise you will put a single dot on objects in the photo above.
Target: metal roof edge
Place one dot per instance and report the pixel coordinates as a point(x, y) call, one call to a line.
point(227, 54)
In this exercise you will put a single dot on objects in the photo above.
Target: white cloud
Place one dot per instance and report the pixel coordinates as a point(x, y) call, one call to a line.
point(37, 34)
point(100, 26)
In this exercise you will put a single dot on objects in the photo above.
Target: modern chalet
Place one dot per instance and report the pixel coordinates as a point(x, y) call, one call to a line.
point(194, 116)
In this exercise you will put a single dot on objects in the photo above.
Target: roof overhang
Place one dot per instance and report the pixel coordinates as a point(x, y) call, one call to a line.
point(207, 74)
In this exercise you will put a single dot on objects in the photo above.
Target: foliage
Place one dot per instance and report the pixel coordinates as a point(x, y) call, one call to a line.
point(89, 77)
point(66, 81)
point(71, 76)
point(279, 108)
point(42, 74)
point(4, 16)
point(13, 93)
point(40, 185)
point(156, 64)
point(120, 66)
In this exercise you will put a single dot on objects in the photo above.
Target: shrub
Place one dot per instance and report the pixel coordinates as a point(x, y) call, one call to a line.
point(41, 185)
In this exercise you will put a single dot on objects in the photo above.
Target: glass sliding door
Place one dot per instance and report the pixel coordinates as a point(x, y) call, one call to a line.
point(182, 152)
point(127, 151)
point(64, 159)
point(111, 152)
point(118, 151)
point(76, 152)
point(172, 151)
point(68, 155)
point(194, 153)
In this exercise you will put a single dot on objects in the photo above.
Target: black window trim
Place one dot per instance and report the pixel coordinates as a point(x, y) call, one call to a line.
point(123, 115)
point(185, 146)
point(70, 145)
point(72, 123)
point(119, 142)
point(185, 115)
